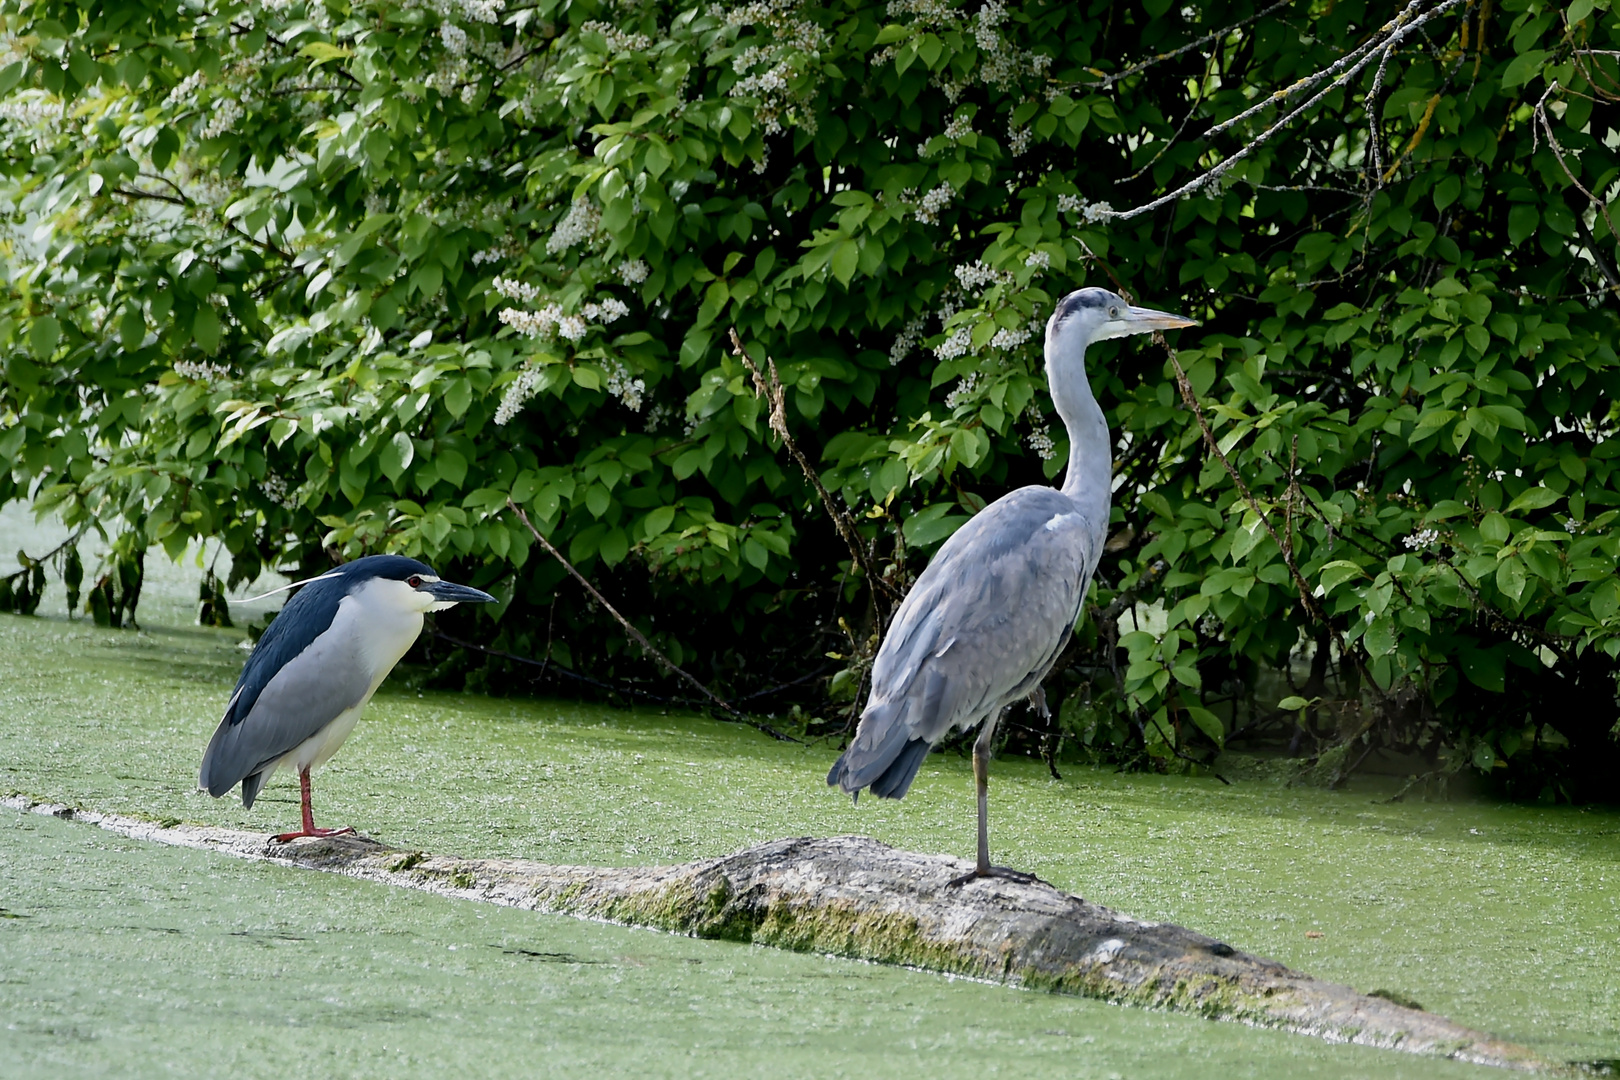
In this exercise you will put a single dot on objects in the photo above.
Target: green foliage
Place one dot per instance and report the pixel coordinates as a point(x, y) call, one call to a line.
point(320, 279)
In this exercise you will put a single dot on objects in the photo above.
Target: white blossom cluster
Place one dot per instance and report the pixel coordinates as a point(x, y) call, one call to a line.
point(791, 39)
point(201, 370)
point(516, 290)
point(484, 11)
point(1423, 538)
point(30, 108)
point(928, 13)
point(518, 393)
point(1040, 440)
point(278, 491)
point(505, 248)
point(1018, 140)
point(968, 384)
point(934, 203)
point(952, 88)
point(578, 226)
point(377, 202)
point(551, 319)
point(657, 417)
point(1089, 211)
point(958, 344)
point(454, 38)
point(1010, 339)
point(623, 385)
point(977, 276)
point(961, 124)
point(1040, 260)
point(991, 15)
point(633, 271)
point(609, 310)
point(185, 91)
point(223, 114)
point(535, 324)
point(617, 40)
point(12, 49)
point(906, 342)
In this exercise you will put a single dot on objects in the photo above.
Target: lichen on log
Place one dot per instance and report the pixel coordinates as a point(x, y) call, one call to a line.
point(852, 896)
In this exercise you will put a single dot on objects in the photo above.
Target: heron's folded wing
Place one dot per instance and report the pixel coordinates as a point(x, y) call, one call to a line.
point(280, 702)
point(991, 610)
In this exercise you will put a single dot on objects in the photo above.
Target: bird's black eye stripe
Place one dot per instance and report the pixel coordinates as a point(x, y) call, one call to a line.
point(414, 581)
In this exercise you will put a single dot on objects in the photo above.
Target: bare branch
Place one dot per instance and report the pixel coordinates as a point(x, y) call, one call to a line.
point(773, 394)
point(1214, 35)
point(1357, 60)
point(640, 638)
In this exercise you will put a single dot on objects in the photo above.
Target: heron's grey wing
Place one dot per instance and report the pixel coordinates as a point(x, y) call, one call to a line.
point(294, 699)
point(983, 623)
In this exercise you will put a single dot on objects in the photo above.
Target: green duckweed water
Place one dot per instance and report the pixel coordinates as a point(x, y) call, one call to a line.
point(1503, 917)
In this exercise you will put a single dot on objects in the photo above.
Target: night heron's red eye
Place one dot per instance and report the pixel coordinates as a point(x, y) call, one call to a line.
point(414, 582)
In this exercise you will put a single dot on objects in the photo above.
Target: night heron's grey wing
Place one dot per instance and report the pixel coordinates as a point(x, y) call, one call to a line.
point(981, 627)
point(304, 673)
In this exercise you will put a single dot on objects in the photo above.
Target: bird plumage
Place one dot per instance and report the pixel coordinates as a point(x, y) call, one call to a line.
point(313, 671)
point(980, 629)
point(985, 623)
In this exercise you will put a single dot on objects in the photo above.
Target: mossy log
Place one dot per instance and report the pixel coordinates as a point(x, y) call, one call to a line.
point(853, 896)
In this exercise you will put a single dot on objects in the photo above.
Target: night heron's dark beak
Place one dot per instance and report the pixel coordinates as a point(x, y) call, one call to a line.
point(450, 593)
point(1145, 320)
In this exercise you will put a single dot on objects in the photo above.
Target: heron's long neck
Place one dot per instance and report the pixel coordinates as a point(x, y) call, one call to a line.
point(1091, 454)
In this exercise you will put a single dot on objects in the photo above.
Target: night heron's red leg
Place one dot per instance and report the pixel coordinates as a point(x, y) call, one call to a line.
point(309, 828)
point(981, 779)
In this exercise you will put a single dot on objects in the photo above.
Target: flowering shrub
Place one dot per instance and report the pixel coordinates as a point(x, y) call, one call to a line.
point(321, 277)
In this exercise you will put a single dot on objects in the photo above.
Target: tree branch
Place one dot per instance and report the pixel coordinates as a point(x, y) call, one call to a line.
point(640, 638)
point(774, 397)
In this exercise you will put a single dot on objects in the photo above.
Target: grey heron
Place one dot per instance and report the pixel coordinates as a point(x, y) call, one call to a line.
point(985, 622)
point(314, 670)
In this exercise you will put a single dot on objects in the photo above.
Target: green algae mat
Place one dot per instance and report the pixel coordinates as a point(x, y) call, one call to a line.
point(1504, 918)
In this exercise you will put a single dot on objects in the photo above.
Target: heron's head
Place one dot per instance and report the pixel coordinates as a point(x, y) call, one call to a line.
point(1088, 315)
point(411, 586)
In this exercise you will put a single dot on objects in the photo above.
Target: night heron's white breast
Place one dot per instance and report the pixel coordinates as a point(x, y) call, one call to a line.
point(375, 626)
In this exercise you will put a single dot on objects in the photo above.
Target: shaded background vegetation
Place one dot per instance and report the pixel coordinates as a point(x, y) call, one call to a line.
point(323, 279)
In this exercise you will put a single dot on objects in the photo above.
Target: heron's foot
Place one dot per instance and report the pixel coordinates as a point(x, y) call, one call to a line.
point(992, 872)
point(317, 833)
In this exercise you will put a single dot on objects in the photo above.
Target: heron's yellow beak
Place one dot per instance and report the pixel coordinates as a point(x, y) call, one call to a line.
point(1145, 320)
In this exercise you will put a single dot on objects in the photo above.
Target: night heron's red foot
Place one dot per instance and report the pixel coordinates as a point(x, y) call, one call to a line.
point(318, 833)
point(993, 872)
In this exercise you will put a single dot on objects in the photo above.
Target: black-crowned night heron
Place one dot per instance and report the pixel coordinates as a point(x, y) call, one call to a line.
point(986, 621)
point(316, 667)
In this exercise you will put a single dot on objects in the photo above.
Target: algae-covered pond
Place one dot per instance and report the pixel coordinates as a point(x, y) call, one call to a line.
point(132, 959)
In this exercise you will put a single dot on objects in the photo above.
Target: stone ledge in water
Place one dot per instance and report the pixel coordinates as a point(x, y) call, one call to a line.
point(853, 896)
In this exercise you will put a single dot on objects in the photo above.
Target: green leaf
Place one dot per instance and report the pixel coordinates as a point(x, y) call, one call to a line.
point(1535, 498)
point(205, 328)
point(451, 465)
point(43, 336)
point(322, 51)
point(1337, 573)
point(657, 521)
point(1208, 723)
point(458, 397)
point(397, 454)
point(1292, 703)
point(844, 260)
point(1522, 222)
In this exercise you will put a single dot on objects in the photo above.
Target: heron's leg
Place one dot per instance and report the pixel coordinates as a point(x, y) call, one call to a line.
point(309, 828)
point(981, 777)
point(981, 781)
